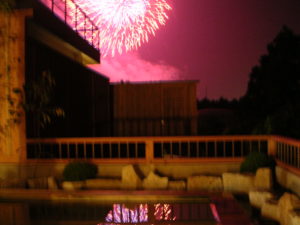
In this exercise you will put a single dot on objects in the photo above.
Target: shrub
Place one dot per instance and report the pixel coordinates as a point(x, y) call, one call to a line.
point(77, 171)
point(256, 160)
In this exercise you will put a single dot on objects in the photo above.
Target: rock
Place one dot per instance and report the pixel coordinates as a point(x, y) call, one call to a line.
point(72, 185)
point(263, 179)
point(207, 183)
point(103, 184)
point(38, 183)
point(258, 198)
point(287, 203)
point(270, 209)
point(177, 185)
point(294, 217)
point(286, 210)
point(288, 179)
point(130, 179)
point(42, 183)
point(52, 183)
point(13, 183)
point(238, 183)
point(153, 181)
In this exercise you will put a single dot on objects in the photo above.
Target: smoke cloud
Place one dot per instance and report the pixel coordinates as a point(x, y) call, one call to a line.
point(131, 67)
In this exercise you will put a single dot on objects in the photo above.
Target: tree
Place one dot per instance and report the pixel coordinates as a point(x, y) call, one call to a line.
point(271, 103)
point(219, 103)
point(38, 101)
point(216, 117)
point(6, 5)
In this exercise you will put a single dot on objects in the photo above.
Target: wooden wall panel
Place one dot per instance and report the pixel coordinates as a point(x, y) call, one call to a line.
point(155, 109)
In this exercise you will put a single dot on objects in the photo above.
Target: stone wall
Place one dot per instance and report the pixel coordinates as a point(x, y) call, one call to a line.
point(288, 180)
point(173, 170)
point(284, 210)
point(12, 77)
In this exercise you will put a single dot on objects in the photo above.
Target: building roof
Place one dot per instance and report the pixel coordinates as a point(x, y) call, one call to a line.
point(153, 82)
point(47, 19)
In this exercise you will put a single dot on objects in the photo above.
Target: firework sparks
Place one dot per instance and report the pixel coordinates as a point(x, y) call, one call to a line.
point(125, 24)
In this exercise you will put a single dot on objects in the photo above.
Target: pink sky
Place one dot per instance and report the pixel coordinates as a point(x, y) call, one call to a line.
point(215, 42)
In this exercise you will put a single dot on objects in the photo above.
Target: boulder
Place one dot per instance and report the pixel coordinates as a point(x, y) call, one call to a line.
point(42, 183)
point(13, 183)
point(287, 203)
point(263, 179)
point(294, 217)
point(238, 183)
point(52, 183)
point(38, 183)
point(206, 183)
point(258, 198)
point(153, 181)
point(177, 185)
point(103, 184)
point(73, 185)
point(270, 209)
point(288, 179)
point(130, 179)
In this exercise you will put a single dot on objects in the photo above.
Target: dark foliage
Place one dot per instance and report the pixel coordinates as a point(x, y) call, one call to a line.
point(216, 116)
point(257, 160)
point(38, 101)
point(77, 171)
point(7, 5)
point(271, 104)
point(220, 103)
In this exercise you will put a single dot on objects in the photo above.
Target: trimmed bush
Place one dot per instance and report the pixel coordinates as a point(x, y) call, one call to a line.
point(77, 171)
point(257, 160)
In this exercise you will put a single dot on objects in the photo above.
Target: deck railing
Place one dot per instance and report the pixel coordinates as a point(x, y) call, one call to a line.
point(147, 149)
point(287, 153)
point(164, 149)
point(70, 13)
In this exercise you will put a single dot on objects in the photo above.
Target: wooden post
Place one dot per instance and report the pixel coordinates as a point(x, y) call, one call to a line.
point(149, 151)
point(272, 146)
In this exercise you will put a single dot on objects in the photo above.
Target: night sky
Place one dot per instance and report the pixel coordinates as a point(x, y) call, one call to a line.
point(216, 42)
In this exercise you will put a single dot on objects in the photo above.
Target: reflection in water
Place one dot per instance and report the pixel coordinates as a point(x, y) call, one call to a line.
point(57, 213)
point(14, 214)
point(121, 214)
point(215, 212)
point(151, 213)
point(163, 212)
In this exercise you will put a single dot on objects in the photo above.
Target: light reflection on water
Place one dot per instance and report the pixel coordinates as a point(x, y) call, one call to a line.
point(54, 213)
point(121, 214)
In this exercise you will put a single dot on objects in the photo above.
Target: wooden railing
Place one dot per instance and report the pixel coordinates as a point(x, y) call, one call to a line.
point(164, 149)
point(69, 12)
point(287, 153)
point(148, 149)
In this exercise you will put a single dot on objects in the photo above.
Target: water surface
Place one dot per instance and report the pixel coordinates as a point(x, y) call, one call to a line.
point(93, 213)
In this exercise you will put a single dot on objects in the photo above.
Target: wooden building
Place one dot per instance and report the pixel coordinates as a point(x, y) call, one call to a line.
point(52, 45)
point(155, 108)
point(34, 39)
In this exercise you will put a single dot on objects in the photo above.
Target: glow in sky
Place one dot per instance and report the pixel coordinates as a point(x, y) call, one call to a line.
point(215, 42)
point(131, 67)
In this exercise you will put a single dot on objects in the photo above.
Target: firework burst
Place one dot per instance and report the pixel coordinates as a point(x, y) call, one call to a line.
point(125, 24)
